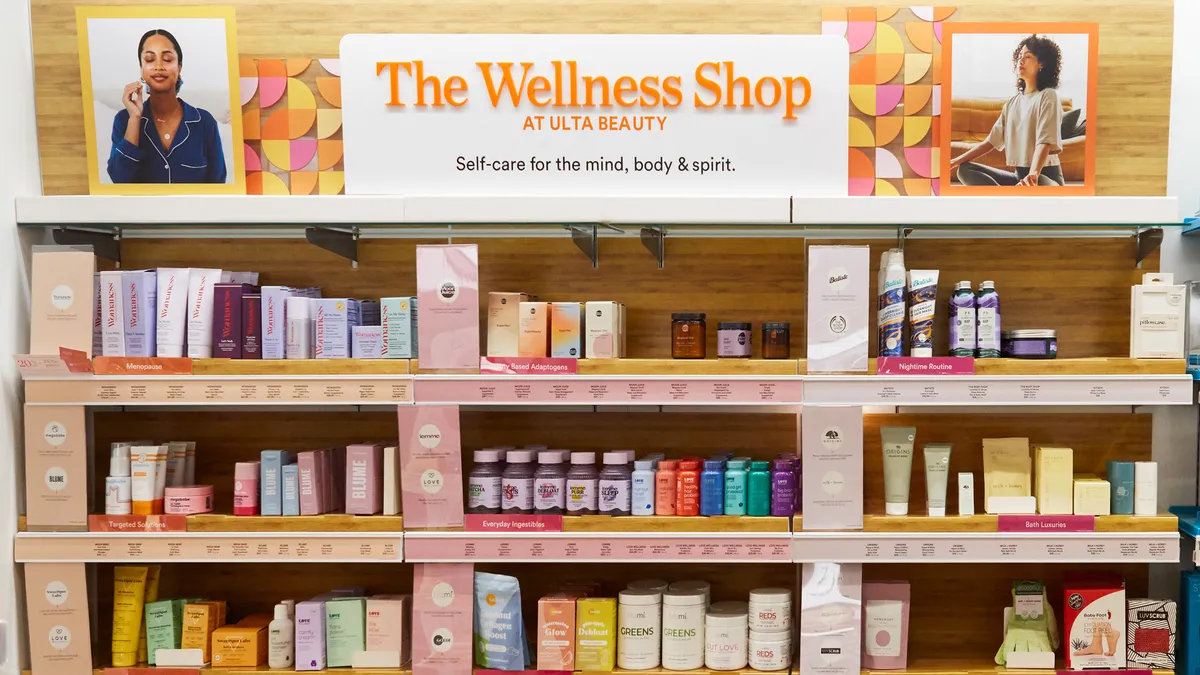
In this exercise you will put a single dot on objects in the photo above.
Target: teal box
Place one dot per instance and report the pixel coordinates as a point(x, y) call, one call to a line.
point(164, 626)
point(398, 319)
point(1121, 478)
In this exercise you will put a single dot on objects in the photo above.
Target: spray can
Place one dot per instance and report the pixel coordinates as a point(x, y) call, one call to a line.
point(891, 303)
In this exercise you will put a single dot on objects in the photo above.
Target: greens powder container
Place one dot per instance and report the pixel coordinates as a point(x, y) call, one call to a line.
point(683, 629)
point(639, 621)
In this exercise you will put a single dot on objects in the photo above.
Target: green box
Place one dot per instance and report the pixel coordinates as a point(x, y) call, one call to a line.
point(164, 626)
point(345, 630)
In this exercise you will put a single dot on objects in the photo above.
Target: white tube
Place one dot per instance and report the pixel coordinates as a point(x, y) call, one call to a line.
point(176, 464)
point(172, 310)
point(141, 463)
point(113, 327)
point(200, 312)
point(937, 473)
point(160, 478)
point(1145, 488)
point(897, 467)
point(299, 328)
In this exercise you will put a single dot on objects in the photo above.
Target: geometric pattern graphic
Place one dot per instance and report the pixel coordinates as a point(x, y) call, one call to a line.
point(895, 96)
point(292, 119)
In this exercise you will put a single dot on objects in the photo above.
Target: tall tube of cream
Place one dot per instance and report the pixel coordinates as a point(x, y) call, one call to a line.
point(937, 473)
point(143, 462)
point(897, 467)
point(172, 310)
point(129, 597)
point(151, 595)
point(922, 300)
point(200, 312)
point(160, 478)
point(190, 475)
point(176, 464)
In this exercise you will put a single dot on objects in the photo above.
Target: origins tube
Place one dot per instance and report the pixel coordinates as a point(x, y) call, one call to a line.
point(129, 595)
point(922, 300)
point(172, 310)
point(897, 467)
point(937, 472)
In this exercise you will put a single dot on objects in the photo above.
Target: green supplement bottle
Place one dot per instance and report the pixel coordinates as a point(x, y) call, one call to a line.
point(735, 487)
point(758, 503)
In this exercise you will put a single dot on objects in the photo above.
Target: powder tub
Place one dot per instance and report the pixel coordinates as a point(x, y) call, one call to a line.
point(1029, 344)
point(770, 651)
point(733, 340)
point(639, 619)
point(725, 634)
point(185, 501)
point(683, 629)
point(770, 610)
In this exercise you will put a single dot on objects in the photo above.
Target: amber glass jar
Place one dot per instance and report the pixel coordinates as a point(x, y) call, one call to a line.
point(776, 340)
point(688, 335)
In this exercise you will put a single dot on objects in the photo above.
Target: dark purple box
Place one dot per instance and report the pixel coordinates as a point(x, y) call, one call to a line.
point(252, 326)
point(227, 319)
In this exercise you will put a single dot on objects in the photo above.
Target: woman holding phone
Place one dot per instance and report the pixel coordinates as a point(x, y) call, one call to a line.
point(162, 139)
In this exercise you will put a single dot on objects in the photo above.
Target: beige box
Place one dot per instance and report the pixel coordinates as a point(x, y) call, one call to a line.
point(56, 468)
point(1092, 495)
point(1054, 480)
point(1006, 468)
point(534, 330)
point(504, 315)
point(62, 306)
point(602, 330)
point(56, 603)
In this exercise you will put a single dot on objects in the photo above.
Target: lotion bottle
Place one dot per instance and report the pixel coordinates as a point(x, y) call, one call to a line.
point(281, 641)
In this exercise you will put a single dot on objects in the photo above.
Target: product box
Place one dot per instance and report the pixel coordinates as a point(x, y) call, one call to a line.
point(291, 490)
point(1188, 654)
point(274, 321)
point(431, 466)
point(139, 301)
point(334, 321)
point(240, 646)
point(364, 479)
point(566, 330)
point(885, 625)
point(839, 303)
point(370, 311)
point(200, 619)
point(311, 493)
point(201, 286)
point(1006, 468)
point(345, 630)
point(164, 626)
point(595, 633)
point(534, 330)
point(1054, 480)
point(251, 326)
point(503, 333)
point(443, 602)
point(1092, 496)
point(832, 447)
point(310, 635)
point(367, 342)
point(1094, 616)
point(97, 322)
point(113, 326)
point(602, 330)
point(1156, 320)
point(398, 322)
point(391, 480)
point(60, 314)
point(830, 618)
point(556, 632)
point(448, 293)
point(271, 481)
point(388, 625)
point(56, 604)
point(56, 468)
point(227, 319)
point(1151, 634)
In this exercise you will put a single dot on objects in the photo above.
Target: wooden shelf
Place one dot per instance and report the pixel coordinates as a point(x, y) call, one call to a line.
point(278, 367)
point(674, 524)
point(240, 671)
point(972, 667)
point(330, 522)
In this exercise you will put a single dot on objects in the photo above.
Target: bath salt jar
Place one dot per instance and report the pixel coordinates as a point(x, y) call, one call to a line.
point(639, 621)
point(770, 610)
point(725, 636)
point(770, 651)
point(683, 629)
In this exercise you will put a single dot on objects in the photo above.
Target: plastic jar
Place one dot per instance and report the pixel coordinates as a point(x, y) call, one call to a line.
point(550, 484)
point(648, 585)
point(483, 485)
point(683, 629)
point(733, 340)
point(517, 483)
point(582, 484)
point(1029, 344)
point(687, 492)
point(616, 483)
point(776, 340)
point(770, 651)
point(639, 622)
point(770, 610)
point(725, 636)
point(688, 338)
point(693, 586)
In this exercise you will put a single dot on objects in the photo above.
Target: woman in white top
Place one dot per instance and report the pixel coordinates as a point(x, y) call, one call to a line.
point(1029, 129)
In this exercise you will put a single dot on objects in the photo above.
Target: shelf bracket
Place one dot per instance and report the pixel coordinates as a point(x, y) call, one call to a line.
point(1148, 241)
point(902, 233)
point(106, 243)
point(339, 242)
point(654, 239)
point(584, 237)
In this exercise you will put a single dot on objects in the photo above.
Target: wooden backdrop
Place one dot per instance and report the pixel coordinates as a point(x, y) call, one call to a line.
point(1134, 76)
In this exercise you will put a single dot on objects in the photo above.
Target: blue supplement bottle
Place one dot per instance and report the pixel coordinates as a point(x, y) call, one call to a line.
point(735, 487)
point(712, 488)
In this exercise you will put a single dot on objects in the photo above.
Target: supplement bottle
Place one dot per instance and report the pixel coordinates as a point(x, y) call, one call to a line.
point(770, 651)
point(725, 636)
point(550, 484)
point(683, 630)
point(962, 320)
point(987, 313)
point(642, 499)
point(735, 488)
point(665, 484)
point(583, 485)
point(770, 610)
point(517, 483)
point(694, 586)
point(712, 488)
point(783, 488)
point(759, 488)
point(687, 491)
point(639, 624)
point(484, 483)
point(616, 483)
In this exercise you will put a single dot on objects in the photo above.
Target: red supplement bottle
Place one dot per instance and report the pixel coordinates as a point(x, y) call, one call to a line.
point(687, 494)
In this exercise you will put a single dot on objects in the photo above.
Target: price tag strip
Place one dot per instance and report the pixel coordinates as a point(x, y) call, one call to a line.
point(976, 390)
point(457, 547)
point(128, 547)
point(204, 390)
point(608, 389)
point(986, 547)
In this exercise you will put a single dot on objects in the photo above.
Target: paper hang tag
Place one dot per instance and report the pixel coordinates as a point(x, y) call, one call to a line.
point(1028, 599)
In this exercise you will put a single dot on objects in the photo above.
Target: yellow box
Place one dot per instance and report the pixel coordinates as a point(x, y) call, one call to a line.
point(1054, 479)
point(1006, 468)
point(239, 646)
point(1092, 495)
point(595, 634)
point(199, 622)
point(256, 620)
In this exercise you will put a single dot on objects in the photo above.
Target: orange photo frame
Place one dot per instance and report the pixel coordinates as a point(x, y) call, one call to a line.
point(949, 31)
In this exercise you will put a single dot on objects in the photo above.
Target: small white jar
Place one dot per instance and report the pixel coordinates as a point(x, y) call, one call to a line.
point(725, 636)
point(652, 584)
point(770, 610)
point(683, 630)
point(770, 651)
point(691, 586)
point(639, 622)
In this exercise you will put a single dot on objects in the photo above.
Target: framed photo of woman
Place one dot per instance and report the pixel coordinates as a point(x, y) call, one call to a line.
point(160, 99)
point(1018, 110)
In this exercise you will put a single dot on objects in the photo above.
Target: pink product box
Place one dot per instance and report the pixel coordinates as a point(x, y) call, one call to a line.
point(442, 618)
point(388, 625)
point(448, 295)
point(312, 502)
point(431, 466)
point(885, 625)
point(188, 500)
point(364, 479)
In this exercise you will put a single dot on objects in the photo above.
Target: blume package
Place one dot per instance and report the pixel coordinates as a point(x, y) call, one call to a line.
point(311, 493)
point(398, 322)
point(291, 490)
point(832, 447)
point(333, 323)
point(139, 299)
point(504, 317)
point(364, 479)
point(838, 308)
point(200, 312)
point(1151, 634)
point(830, 618)
point(1094, 616)
point(448, 293)
point(499, 627)
point(271, 481)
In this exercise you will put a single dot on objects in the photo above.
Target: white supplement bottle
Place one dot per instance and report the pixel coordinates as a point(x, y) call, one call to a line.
point(770, 610)
point(725, 636)
point(639, 622)
point(281, 639)
point(692, 585)
point(683, 630)
point(651, 584)
point(770, 651)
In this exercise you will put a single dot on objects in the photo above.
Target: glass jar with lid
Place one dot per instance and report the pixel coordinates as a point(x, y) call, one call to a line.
point(688, 335)
point(776, 340)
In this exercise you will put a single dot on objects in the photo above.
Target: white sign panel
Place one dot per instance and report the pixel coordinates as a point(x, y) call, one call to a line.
point(628, 115)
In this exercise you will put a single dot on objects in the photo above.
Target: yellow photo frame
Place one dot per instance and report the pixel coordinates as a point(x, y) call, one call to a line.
point(212, 157)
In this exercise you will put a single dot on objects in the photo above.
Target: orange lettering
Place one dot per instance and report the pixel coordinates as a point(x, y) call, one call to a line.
point(422, 81)
point(506, 81)
point(672, 93)
point(790, 107)
point(708, 84)
point(758, 92)
point(649, 86)
point(393, 68)
point(537, 86)
point(588, 82)
point(455, 85)
point(732, 83)
point(625, 85)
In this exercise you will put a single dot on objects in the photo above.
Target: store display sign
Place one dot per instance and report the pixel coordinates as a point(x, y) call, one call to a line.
point(431, 466)
point(1014, 523)
point(136, 523)
point(56, 468)
point(937, 365)
point(505, 365)
point(56, 597)
point(513, 523)
point(142, 365)
point(685, 115)
point(832, 463)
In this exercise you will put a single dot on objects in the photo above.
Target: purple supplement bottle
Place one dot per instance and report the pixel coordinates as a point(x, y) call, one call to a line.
point(517, 483)
point(483, 485)
point(550, 484)
point(616, 484)
point(988, 319)
point(962, 320)
point(583, 485)
point(783, 488)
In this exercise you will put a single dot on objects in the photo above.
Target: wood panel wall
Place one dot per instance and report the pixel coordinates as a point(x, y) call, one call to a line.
point(1134, 69)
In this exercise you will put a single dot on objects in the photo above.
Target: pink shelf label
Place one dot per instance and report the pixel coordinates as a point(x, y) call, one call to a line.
point(504, 365)
point(510, 523)
point(938, 365)
point(1046, 524)
point(1114, 671)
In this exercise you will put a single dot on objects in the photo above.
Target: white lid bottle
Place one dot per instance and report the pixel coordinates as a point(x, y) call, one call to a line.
point(281, 640)
point(642, 493)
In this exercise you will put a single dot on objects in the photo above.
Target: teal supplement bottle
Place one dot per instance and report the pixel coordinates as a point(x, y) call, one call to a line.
point(735, 487)
point(758, 501)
